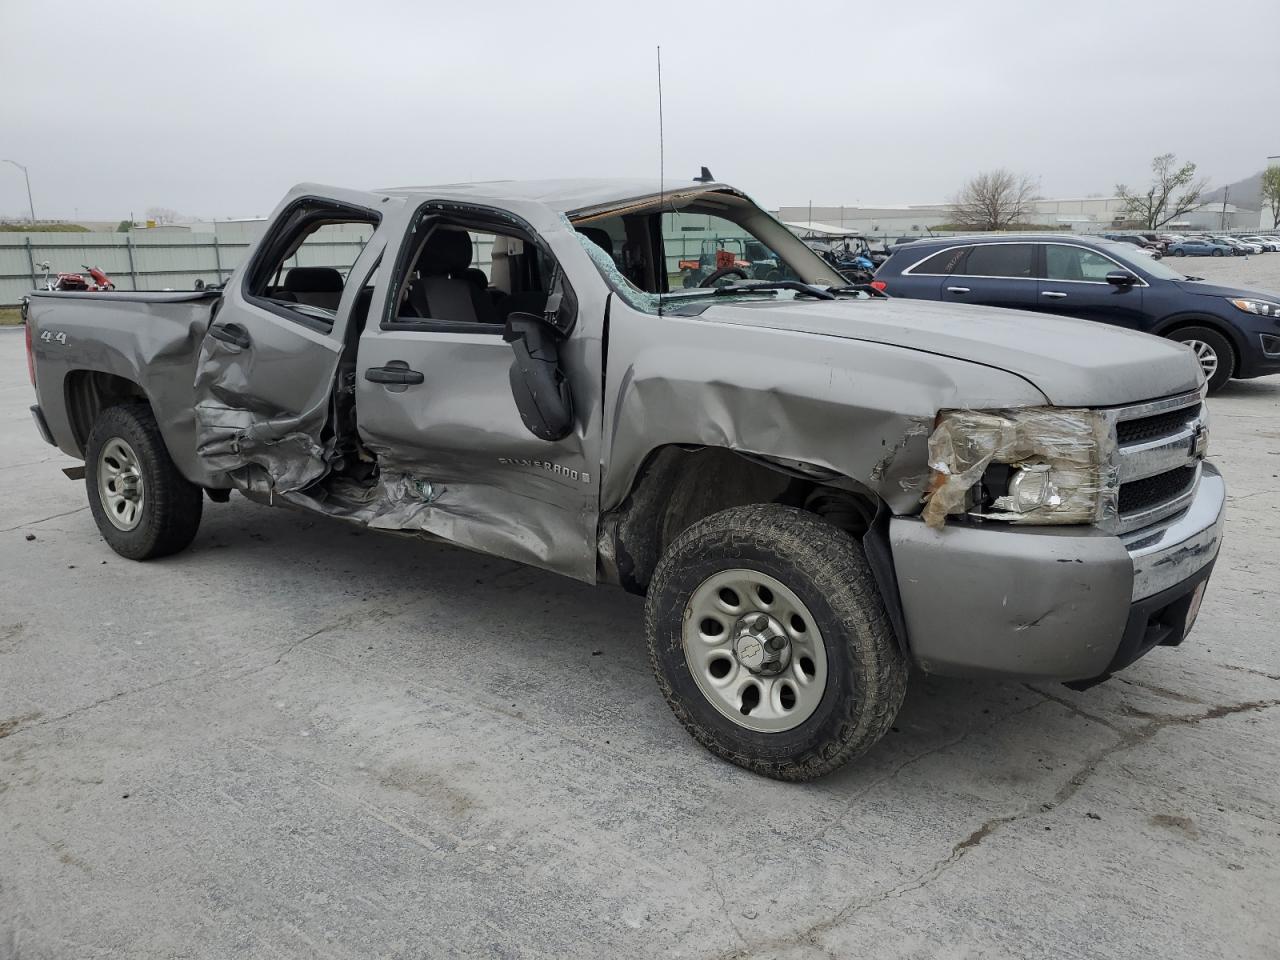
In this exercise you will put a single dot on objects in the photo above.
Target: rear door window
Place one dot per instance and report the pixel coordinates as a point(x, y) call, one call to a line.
point(940, 264)
point(1013, 260)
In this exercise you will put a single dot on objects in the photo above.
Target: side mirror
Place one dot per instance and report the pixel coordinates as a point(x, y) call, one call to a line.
point(538, 384)
point(1121, 278)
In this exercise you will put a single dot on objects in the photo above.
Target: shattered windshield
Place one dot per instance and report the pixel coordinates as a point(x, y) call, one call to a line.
point(724, 247)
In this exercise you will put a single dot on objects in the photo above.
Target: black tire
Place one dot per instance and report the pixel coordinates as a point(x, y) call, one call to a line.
point(826, 569)
point(1221, 347)
point(171, 505)
point(1179, 253)
point(1215, 253)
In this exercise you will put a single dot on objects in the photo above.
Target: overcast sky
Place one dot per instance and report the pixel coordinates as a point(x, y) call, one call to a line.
point(215, 109)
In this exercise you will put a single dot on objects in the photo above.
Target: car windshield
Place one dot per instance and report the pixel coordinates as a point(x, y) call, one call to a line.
point(708, 242)
point(1141, 262)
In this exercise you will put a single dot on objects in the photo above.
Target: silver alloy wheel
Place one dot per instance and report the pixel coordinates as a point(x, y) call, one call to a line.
point(754, 650)
point(1207, 356)
point(120, 485)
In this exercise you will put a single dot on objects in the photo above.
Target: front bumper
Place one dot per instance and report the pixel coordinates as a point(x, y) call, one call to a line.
point(1053, 603)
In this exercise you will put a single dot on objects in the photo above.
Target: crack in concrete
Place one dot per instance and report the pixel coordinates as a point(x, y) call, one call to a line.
point(1256, 673)
point(1163, 691)
point(923, 755)
point(1074, 708)
point(288, 649)
point(109, 699)
point(32, 523)
point(724, 905)
point(1127, 740)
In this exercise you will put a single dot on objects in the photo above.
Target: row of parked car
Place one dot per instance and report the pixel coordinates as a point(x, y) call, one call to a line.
point(1217, 246)
point(1200, 245)
point(1234, 332)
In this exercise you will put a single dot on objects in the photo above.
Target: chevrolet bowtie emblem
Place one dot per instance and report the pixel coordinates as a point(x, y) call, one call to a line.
point(1200, 442)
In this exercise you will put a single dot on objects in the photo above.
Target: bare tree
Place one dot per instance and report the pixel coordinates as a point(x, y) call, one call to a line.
point(163, 215)
point(1271, 192)
point(993, 200)
point(1174, 190)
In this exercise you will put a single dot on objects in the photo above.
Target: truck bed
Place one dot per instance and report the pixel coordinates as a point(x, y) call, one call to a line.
point(85, 344)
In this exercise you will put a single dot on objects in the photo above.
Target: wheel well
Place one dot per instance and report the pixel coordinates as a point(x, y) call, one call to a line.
point(1215, 325)
point(678, 486)
point(89, 392)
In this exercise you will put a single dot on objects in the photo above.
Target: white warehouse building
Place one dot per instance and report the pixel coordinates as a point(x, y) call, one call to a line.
point(1078, 214)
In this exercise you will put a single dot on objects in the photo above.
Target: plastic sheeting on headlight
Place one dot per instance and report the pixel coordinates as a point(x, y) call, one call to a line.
point(1075, 444)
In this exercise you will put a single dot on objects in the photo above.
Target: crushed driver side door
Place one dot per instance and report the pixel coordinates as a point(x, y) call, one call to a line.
point(266, 370)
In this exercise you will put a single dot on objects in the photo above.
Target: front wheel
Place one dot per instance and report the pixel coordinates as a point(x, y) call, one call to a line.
point(770, 642)
point(143, 506)
point(1212, 350)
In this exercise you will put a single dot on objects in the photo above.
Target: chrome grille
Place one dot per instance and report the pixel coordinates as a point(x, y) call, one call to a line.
point(1156, 459)
point(1151, 492)
point(1142, 429)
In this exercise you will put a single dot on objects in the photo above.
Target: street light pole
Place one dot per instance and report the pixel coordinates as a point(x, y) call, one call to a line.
point(31, 207)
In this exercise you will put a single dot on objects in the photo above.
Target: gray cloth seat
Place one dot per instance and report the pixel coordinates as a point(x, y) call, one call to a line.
point(446, 287)
point(317, 286)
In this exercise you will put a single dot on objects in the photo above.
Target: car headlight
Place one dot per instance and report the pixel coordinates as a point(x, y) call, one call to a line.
point(1044, 465)
point(1263, 308)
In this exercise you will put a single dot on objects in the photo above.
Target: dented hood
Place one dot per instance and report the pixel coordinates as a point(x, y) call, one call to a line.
point(1072, 362)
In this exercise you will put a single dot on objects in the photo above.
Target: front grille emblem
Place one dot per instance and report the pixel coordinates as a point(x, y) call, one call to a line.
point(1200, 442)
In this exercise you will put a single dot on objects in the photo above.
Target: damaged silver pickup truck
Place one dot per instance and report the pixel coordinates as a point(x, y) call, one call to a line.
point(813, 486)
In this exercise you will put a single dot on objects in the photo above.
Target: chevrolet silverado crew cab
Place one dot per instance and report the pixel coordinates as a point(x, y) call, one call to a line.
point(813, 486)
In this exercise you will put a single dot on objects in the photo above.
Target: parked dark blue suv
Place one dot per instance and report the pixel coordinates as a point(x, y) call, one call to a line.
point(1234, 332)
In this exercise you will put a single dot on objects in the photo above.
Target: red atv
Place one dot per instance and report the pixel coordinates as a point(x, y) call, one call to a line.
point(75, 281)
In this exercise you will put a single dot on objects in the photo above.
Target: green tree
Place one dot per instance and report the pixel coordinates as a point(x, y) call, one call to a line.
point(1271, 192)
point(1174, 190)
point(125, 226)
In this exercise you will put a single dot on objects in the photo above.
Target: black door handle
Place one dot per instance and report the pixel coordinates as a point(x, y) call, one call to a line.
point(231, 333)
point(397, 371)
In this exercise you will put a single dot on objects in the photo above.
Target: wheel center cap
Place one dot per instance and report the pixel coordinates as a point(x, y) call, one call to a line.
point(760, 644)
point(129, 486)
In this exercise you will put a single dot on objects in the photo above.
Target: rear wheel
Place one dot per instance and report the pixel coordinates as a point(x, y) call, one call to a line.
point(770, 642)
point(1216, 253)
point(1212, 350)
point(143, 506)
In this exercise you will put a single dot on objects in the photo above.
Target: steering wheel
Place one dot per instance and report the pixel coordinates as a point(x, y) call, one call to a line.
point(711, 278)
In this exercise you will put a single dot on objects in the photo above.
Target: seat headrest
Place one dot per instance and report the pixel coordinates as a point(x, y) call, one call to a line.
point(313, 280)
point(446, 251)
point(599, 237)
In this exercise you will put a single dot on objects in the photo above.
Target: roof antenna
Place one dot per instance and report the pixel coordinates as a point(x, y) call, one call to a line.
point(704, 177)
point(662, 165)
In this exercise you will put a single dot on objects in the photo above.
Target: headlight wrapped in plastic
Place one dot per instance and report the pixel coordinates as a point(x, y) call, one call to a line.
point(1043, 465)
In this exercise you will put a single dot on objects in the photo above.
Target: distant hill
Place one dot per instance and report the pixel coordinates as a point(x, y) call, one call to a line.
point(1246, 193)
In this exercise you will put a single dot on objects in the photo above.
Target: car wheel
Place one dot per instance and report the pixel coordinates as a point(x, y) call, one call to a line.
point(770, 642)
point(1215, 253)
point(143, 507)
point(1179, 253)
point(1212, 350)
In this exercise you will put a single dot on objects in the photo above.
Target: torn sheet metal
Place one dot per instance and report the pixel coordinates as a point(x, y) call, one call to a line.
point(239, 420)
point(919, 427)
point(860, 410)
point(1061, 464)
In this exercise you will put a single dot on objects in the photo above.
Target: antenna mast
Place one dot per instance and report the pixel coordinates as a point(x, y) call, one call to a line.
point(662, 166)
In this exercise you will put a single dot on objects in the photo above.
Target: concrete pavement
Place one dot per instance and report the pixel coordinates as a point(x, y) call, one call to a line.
point(300, 739)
